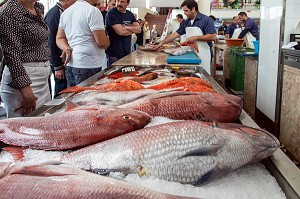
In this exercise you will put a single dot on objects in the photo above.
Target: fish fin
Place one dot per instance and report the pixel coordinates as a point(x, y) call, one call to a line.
point(169, 196)
point(202, 151)
point(70, 105)
point(173, 94)
point(105, 171)
point(37, 170)
point(215, 124)
point(16, 152)
point(209, 176)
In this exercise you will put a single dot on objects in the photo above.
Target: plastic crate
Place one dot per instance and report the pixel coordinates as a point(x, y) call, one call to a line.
point(237, 68)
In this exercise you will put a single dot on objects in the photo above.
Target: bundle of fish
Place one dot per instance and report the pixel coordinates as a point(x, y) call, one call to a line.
point(185, 151)
point(65, 182)
point(71, 129)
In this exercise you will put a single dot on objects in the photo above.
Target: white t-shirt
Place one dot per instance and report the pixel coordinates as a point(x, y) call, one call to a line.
point(78, 22)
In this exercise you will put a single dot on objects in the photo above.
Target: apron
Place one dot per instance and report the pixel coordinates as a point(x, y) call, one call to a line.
point(203, 48)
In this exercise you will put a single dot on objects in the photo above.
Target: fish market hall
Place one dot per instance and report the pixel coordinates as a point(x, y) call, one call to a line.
point(125, 99)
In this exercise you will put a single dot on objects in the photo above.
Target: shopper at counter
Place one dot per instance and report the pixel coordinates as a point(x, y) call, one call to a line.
point(195, 19)
point(232, 26)
point(250, 26)
point(120, 25)
point(82, 38)
point(110, 5)
point(24, 39)
point(57, 65)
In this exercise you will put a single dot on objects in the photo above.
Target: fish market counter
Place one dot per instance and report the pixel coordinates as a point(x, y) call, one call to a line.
point(147, 58)
point(279, 165)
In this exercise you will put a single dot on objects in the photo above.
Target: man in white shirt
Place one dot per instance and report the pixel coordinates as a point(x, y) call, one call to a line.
point(82, 37)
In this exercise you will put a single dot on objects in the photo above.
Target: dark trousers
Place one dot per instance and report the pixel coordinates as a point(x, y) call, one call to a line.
point(77, 75)
point(60, 84)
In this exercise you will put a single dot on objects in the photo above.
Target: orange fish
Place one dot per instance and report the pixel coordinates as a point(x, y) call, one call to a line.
point(119, 85)
point(192, 84)
point(192, 44)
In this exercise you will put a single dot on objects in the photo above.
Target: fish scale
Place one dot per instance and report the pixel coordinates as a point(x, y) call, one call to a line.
point(185, 151)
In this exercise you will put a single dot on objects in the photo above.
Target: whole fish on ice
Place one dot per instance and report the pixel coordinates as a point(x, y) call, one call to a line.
point(188, 105)
point(112, 98)
point(71, 129)
point(186, 151)
point(65, 182)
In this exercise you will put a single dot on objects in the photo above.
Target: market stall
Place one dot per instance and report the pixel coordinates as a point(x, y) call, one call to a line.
point(280, 167)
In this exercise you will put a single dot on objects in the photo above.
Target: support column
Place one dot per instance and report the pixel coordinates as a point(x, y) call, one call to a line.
point(204, 6)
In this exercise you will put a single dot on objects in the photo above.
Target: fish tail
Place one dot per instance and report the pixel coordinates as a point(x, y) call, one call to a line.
point(16, 152)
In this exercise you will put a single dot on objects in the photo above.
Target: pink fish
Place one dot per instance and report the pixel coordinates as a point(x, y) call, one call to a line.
point(71, 129)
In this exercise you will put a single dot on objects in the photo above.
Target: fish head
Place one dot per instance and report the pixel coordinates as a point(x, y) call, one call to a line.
point(126, 120)
point(264, 143)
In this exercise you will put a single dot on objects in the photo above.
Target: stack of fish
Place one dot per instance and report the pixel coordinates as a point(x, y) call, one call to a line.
point(111, 126)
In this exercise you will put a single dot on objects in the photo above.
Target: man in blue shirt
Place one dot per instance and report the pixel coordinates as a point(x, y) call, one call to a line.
point(56, 62)
point(120, 25)
point(232, 26)
point(250, 26)
point(194, 19)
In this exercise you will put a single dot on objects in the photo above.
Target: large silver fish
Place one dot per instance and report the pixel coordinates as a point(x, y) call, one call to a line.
point(65, 182)
point(112, 98)
point(203, 106)
point(73, 129)
point(186, 151)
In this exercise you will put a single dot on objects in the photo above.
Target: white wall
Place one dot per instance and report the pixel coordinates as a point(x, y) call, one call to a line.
point(271, 12)
point(292, 19)
point(229, 13)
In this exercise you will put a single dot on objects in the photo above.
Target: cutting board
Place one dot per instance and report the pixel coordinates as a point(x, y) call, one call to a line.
point(188, 58)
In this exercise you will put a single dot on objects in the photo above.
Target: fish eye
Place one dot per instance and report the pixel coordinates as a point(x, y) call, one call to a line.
point(125, 117)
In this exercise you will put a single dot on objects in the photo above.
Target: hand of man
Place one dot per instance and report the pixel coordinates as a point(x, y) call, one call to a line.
point(191, 39)
point(67, 53)
point(158, 46)
point(28, 103)
point(60, 74)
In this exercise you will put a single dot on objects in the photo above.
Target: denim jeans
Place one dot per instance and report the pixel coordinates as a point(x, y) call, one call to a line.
point(77, 75)
point(60, 84)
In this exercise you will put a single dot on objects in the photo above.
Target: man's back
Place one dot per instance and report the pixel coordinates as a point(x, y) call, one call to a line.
point(78, 22)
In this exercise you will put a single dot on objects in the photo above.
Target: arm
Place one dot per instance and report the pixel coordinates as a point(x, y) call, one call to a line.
point(134, 28)
point(243, 33)
point(248, 27)
point(62, 43)
point(170, 38)
point(203, 38)
point(121, 30)
point(101, 39)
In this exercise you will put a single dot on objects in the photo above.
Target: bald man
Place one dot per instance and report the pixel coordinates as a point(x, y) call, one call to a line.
point(233, 25)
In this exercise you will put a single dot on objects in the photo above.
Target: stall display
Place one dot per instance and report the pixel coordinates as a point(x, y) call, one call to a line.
point(190, 152)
